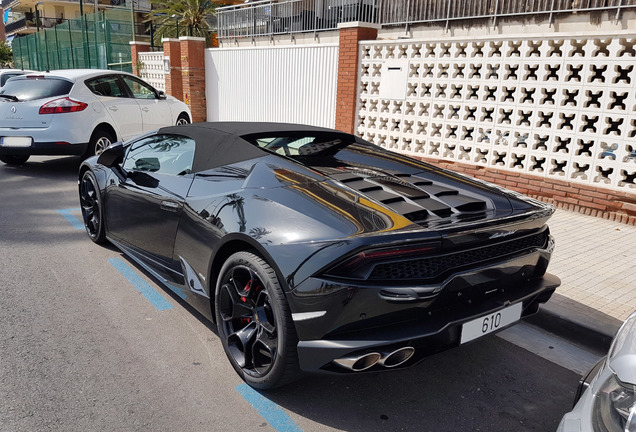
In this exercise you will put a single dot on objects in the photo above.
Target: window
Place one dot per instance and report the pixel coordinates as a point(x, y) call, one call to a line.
point(162, 154)
point(33, 88)
point(284, 145)
point(300, 145)
point(139, 89)
point(106, 86)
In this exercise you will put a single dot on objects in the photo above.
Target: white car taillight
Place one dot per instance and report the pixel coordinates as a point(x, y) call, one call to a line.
point(63, 105)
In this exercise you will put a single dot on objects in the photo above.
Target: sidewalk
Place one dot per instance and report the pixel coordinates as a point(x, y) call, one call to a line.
point(595, 259)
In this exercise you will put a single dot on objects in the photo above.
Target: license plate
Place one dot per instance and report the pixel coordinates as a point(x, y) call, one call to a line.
point(489, 323)
point(15, 141)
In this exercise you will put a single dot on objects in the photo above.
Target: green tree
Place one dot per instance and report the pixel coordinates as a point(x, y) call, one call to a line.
point(188, 15)
point(6, 55)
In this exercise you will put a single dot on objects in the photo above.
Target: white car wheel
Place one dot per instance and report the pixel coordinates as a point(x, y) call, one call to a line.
point(182, 120)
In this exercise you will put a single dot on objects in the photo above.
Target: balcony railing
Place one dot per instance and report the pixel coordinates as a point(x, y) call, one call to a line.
point(15, 26)
point(269, 17)
point(6, 4)
point(29, 23)
point(292, 16)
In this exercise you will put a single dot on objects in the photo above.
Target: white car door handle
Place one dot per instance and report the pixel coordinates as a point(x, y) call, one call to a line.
point(145, 109)
point(113, 108)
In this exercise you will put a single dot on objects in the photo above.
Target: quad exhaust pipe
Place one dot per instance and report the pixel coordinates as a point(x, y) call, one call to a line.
point(364, 361)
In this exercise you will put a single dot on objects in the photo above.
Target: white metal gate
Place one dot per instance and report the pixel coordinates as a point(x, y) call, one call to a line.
point(293, 84)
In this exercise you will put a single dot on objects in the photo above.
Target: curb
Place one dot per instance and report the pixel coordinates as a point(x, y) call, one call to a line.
point(576, 323)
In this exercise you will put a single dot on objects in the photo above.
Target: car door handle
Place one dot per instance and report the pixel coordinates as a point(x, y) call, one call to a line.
point(170, 206)
point(145, 109)
point(113, 108)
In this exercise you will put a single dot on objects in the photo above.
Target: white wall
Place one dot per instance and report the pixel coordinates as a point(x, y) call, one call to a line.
point(559, 106)
point(152, 70)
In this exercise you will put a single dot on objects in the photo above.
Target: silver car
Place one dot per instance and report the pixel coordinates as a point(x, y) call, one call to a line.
point(79, 112)
point(608, 393)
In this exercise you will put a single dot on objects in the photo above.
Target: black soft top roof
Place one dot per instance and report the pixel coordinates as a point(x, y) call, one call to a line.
point(224, 143)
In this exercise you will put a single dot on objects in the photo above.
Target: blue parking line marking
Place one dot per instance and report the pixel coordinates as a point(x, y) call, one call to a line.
point(71, 218)
point(271, 412)
point(157, 300)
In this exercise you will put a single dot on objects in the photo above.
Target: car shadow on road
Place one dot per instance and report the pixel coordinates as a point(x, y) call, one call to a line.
point(488, 385)
point(59, 168)
point(164, 289)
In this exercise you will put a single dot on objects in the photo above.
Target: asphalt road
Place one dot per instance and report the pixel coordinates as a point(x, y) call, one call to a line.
point(81, 349)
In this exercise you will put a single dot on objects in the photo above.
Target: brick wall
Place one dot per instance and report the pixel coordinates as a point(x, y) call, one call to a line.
point(174, 79)
point(348, 66)
point(3, 36)
point(193, 75)
point(595, 201)
point(186, 78)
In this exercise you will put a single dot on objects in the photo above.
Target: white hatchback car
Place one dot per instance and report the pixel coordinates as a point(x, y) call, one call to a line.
point(79, 112)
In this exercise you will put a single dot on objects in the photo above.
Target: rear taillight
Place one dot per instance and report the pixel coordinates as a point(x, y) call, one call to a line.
point(360, 265)
point(60, 106)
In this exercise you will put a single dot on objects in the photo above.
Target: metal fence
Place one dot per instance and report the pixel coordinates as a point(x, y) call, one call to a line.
point(269, 17)
point(92, 41)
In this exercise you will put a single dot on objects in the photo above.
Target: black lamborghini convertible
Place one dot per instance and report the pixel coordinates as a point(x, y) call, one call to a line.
point(314, 250)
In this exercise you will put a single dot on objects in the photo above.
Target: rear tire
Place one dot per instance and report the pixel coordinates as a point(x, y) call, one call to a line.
point(14, 160)
point(254, 322)
point(100, 140)
point(182, 120)
point(92, 208)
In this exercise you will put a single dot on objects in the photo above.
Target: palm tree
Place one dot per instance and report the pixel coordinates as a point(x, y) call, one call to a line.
point(174, 18)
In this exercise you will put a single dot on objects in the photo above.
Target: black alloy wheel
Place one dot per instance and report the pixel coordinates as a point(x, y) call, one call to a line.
point(254, 322)
point(14, 160)
point(92, 210)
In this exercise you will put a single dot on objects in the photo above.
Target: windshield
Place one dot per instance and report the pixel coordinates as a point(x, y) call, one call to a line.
point(26, 89)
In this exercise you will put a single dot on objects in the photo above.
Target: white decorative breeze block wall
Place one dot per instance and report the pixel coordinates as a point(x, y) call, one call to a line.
point(560, 107)
point(153, 71)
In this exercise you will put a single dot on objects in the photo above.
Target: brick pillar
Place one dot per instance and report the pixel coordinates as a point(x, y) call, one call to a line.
point(193, 73)
point(3, 36)
point(135, 49)
point(174, 80)
point(348, 67)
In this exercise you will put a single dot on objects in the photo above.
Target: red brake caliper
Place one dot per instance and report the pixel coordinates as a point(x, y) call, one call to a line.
point(244, 300)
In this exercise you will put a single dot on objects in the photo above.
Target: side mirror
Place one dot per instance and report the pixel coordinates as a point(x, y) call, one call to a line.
point(161, 94)
point(112, 155)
